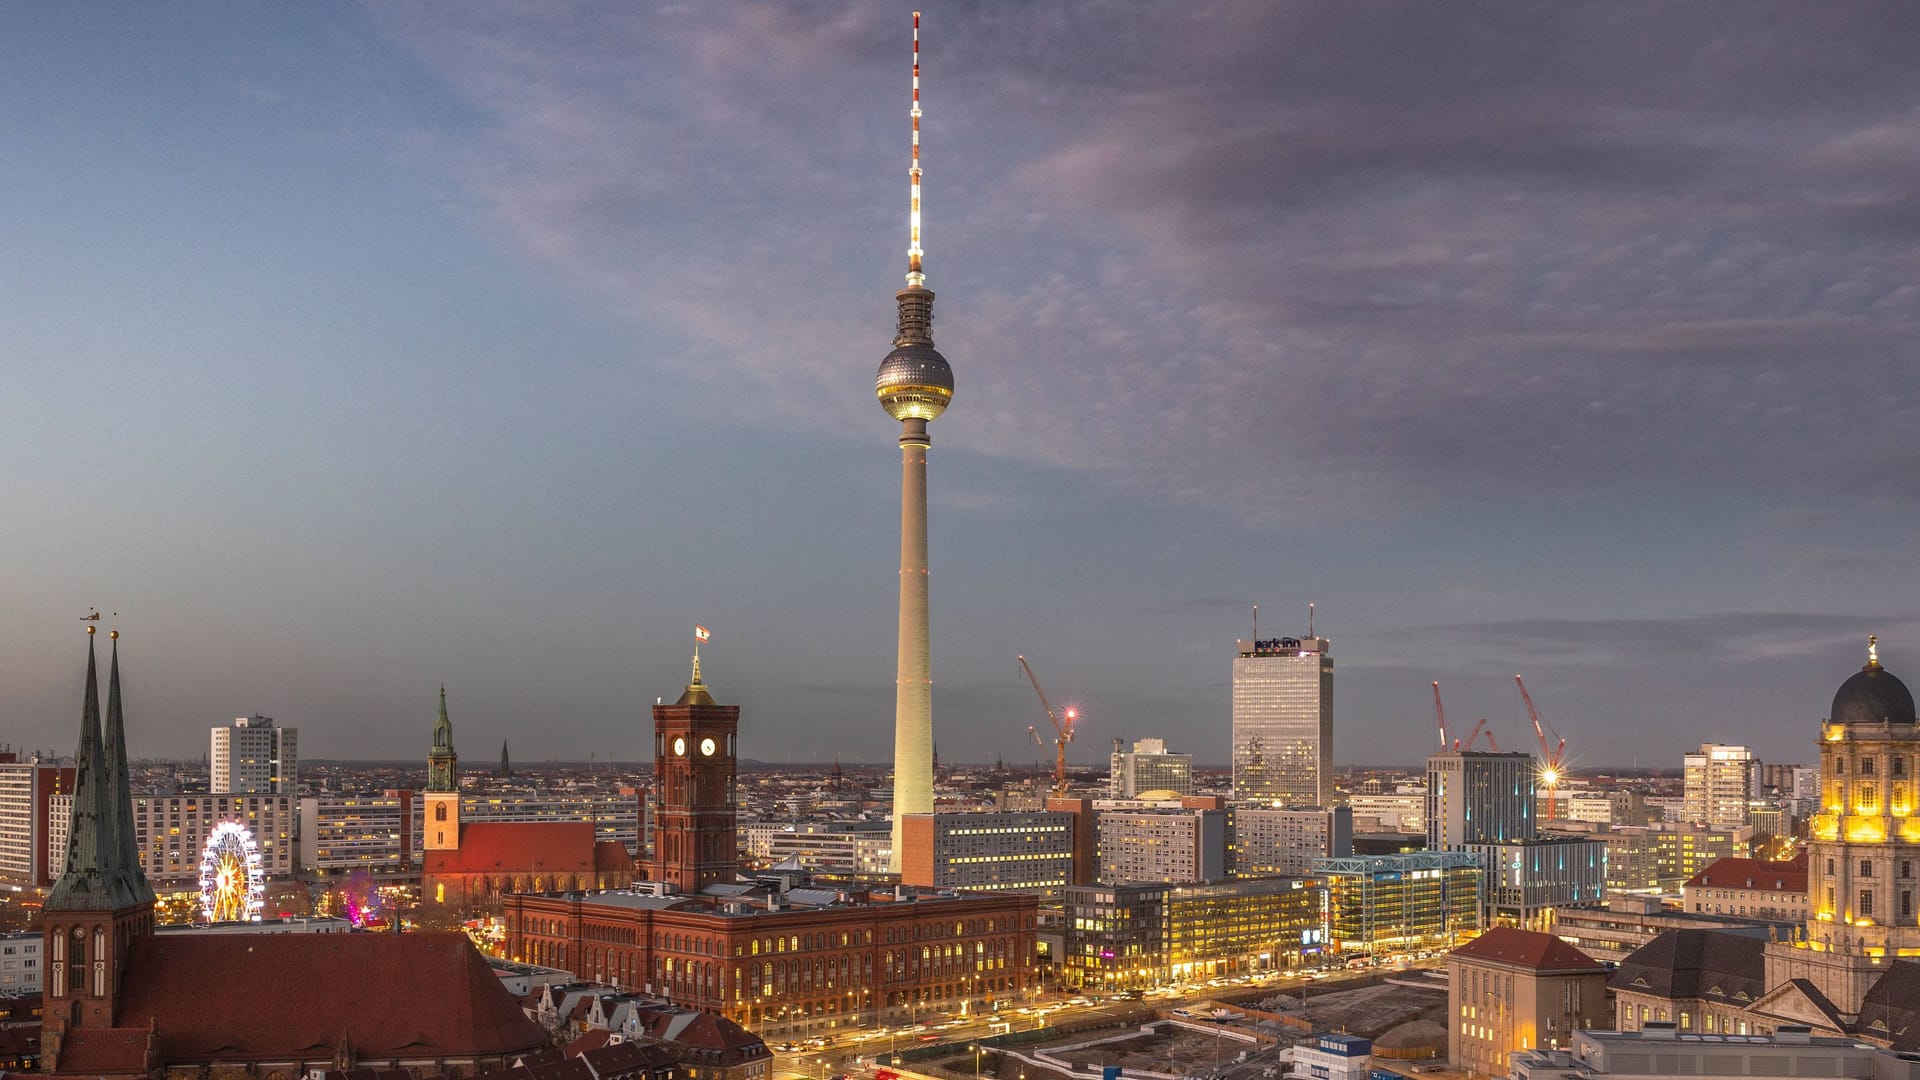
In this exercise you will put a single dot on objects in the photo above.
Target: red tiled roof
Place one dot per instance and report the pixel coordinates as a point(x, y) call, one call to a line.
point(528, 847)
point(1732, 873)
point(389, 995)
point(611, 856)
point(1527, 949)
point(98, 1051)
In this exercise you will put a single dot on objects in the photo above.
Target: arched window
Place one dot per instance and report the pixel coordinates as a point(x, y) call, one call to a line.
point(439, 811)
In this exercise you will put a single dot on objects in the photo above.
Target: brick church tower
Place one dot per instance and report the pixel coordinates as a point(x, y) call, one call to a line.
point(102, 903)
point(694, 769)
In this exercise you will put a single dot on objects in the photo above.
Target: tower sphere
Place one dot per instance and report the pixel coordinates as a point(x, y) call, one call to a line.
point(914, 383)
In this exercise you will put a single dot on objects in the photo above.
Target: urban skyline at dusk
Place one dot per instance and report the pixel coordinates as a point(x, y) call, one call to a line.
point(350, 351)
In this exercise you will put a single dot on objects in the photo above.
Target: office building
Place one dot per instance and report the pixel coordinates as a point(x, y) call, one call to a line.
point(1405, 810)
point(996, 851)
point(27, 820)
point(1510, 990)
point(914, 385)
point(1384, 904)
point(830, 847)
point(1475, 797)
point(1283, 722)
point(1529, 882)
point(1721, 783)
point(1122, 937)
point(1168, 846)
point(171, 831)
point(1148, 769)
point(1485, 803)
point(20, 967)
point(1286, 840)
point(1660, 857)
point(1750, 889)
point(341, 835)
point(255, 755)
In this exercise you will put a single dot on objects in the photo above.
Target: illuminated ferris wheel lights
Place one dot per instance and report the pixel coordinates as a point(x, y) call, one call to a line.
point(232, 886)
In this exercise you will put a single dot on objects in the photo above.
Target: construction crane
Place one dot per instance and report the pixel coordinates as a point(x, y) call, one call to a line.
point(1440, 715)
point(1062, 724)
point(1550, 772)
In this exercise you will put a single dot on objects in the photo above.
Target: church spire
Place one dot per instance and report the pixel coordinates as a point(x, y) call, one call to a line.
point(119, 783)
point(443, 765)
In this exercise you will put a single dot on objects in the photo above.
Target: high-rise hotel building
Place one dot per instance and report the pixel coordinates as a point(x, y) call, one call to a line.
point(1283, 722)
point(254, 755)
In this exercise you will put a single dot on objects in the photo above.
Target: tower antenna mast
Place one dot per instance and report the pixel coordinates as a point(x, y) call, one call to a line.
point(914, 277)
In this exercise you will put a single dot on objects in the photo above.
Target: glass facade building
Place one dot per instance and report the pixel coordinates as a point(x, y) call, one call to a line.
point(1392, 903)
point(1283, 722)
point(1134, 936)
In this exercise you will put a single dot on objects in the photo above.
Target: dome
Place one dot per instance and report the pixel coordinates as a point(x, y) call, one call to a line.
point(1871, 696)
point(914, 383)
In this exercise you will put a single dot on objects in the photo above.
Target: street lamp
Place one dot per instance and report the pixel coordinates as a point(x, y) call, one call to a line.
point(976, 1060)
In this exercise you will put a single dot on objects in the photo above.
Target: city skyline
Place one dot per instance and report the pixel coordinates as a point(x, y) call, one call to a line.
point(357, 350)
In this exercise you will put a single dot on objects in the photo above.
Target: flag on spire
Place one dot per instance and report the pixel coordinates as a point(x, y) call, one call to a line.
point(701, 633)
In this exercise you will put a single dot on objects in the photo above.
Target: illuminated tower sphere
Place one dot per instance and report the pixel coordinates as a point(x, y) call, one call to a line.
point(914, 386)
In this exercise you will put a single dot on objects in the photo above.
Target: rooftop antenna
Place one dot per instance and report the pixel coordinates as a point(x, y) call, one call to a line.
point(1309, 618)
point(1256, 622)
point(915, 279)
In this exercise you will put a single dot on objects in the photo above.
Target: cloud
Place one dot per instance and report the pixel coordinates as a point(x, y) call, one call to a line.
point(1320, 258)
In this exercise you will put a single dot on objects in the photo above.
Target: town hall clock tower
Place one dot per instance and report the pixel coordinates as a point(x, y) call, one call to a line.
point(694, 769)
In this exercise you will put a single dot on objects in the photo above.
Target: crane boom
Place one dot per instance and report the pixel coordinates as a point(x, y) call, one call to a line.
point(1550, 775)
point(1440, 714)
point(1063, 728)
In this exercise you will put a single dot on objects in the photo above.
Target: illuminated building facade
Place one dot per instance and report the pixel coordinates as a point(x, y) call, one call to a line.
point(1510, 990)
point(1167, 846)
point(788, 960)
point(1863, 848)
point(1148, 767)
point(1480, 798)
point(1287, 840)
point(1381, 904)
point(27, 820)
point(1283, 722)
point(997, 851)
point(1722, 782)
point(1141, 935)
point(1661, 857)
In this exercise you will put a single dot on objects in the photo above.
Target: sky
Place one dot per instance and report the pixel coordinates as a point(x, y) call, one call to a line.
point(350, 350)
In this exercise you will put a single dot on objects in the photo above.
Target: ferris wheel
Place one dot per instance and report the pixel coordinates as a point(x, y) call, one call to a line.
point(233, 887)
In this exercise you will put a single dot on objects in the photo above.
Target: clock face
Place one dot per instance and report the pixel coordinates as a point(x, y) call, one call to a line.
point(680, 745)
point(707, 747)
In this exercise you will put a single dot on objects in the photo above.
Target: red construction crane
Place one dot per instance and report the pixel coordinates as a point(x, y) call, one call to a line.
point(1550, 773)
point(1440, 714)
point(1064, 728)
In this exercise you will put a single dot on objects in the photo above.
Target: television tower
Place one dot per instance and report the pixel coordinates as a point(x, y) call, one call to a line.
point(914, 386)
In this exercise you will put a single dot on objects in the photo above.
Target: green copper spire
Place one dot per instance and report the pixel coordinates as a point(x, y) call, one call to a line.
point(95, 878)
point(443, 765)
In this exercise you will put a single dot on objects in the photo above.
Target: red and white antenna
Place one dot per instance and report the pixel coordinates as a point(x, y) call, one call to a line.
point(915, 279)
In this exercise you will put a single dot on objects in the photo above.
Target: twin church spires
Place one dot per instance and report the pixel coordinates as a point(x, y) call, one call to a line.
point(102, 870)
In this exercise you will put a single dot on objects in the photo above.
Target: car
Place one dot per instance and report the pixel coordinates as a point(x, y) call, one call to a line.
point(787, 1047)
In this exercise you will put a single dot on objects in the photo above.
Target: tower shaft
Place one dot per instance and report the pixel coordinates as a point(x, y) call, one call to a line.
point(913, 683)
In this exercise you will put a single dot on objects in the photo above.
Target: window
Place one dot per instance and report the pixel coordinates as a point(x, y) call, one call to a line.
point(1866, 903)
point(1906, 903)
point(1866, 868)
point(1899, 766)
point(1866, 766)
point(1829, 866)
